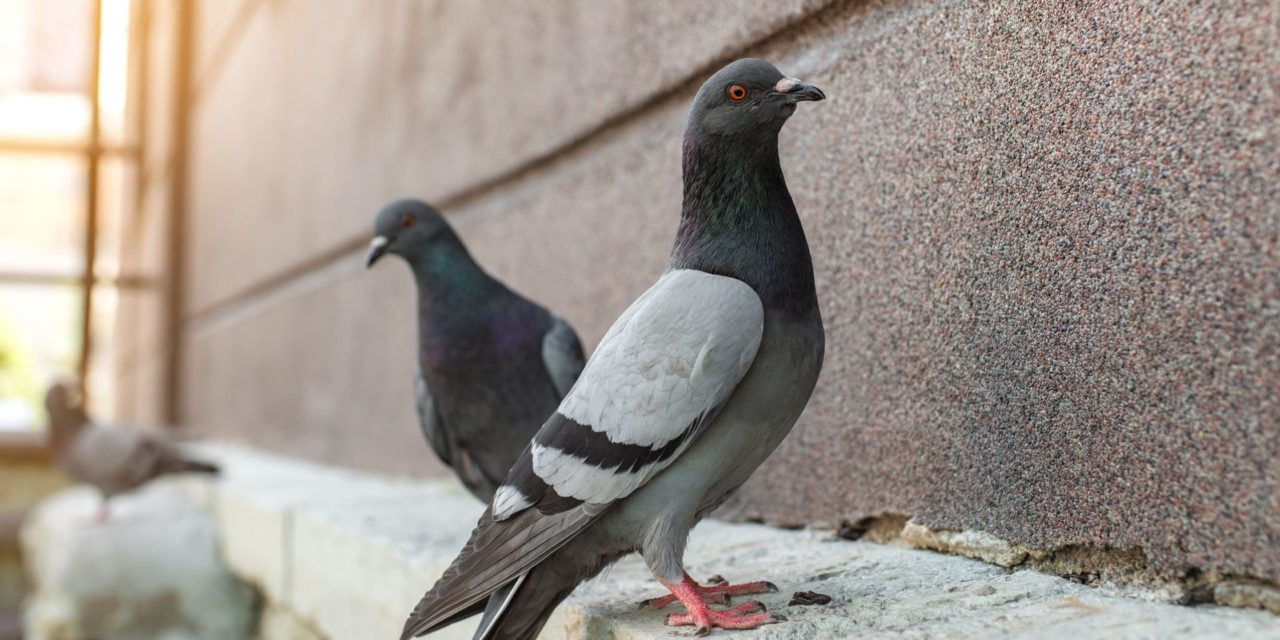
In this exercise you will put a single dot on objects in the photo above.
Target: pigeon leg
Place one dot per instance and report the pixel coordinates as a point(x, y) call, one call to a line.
point(748, 615)
point(718, 592)
point(100, 516)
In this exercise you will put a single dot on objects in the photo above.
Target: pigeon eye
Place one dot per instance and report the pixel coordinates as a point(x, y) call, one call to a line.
point(737, 92)
point(407, 221)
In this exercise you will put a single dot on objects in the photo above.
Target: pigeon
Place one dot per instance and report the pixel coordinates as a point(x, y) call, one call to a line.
point(112, 459)
point(492, 365)
point(695, 384)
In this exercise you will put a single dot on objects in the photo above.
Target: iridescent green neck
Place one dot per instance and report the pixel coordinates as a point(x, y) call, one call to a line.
point(447, 276)
point(738, 220)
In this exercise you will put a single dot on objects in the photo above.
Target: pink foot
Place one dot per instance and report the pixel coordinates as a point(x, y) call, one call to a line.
point(748, 615)
point(100, 516)
point(718, 592)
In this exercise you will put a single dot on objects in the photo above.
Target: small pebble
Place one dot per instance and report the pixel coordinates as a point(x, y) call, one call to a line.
point(809, 597)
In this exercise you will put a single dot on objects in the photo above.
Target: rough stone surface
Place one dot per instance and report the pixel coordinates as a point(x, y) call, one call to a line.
point(880, 591)
point(1248, 594)
point(361, 549)
point(971, 544)
point(424, 98)
point(1046, 239)
point(150, 571)
point(337, 390)
point(336, 554)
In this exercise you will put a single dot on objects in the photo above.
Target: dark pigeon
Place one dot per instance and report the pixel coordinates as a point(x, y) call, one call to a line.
point(491, 365)
point(112, 459)
point(693, 387)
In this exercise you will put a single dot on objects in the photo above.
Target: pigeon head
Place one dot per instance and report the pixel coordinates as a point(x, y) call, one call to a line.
point(737, 217)
point(62, 401)
point(407, 228)
point(747, 100)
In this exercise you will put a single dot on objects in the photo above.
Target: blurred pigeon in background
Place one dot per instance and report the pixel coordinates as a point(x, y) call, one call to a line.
point(693, 387)
point(491, 365)
point(112, 459)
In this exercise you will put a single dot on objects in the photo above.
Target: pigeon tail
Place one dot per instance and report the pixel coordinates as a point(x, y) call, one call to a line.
point(183, 465)
point(519, 610)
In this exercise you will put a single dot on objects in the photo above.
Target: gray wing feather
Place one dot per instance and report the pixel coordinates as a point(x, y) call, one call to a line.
point(430, 422)
point(436, 433)
point(562, 355)
point(497, 553)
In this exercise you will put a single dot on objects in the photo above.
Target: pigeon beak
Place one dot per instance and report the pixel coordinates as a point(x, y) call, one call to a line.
point(799, 91)
point(376, 249)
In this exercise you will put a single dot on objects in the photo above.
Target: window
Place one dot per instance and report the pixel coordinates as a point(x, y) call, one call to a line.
point(67, 190)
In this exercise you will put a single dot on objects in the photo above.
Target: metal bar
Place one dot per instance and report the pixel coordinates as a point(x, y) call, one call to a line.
point(183, 71)
point(61, 148)
point(67, 279)
point(94, 152)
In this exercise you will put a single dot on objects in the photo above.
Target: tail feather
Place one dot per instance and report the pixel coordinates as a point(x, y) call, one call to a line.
point(184, 465)
point(498, 553)
point(162, 459)
point(519, 610)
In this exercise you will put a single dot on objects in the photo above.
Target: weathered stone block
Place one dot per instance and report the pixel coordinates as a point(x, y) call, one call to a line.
point(152, 570)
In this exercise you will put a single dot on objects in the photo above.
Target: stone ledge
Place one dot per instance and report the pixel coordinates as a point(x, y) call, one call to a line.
point(346, 555)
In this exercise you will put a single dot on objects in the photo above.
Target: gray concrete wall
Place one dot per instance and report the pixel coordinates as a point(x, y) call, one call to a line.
point(1046, 239)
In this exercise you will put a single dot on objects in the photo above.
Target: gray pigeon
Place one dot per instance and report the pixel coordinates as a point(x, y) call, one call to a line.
point(693, 387)
point(491, 365)
point(112, 459)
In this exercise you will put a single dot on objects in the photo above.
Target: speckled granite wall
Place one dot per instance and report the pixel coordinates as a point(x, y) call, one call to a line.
point(1049, 243)
point(1047, 240)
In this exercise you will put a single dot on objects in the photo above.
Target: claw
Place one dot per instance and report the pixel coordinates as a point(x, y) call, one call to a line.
point(719, 591)
point(710, 597)
point(723, 620)
point(748, 615)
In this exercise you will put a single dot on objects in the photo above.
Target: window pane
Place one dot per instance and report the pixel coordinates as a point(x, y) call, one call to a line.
point(42, 218)
point(39, 343)
point(114, 82)
point(45, 50)
point(102, 353)
point(115, 201)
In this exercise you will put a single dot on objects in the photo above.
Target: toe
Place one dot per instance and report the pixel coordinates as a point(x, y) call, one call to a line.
point(657, 603)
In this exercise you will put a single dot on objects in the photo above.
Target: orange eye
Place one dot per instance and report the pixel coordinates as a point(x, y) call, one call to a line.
point(737, 92)
point(407, 221)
